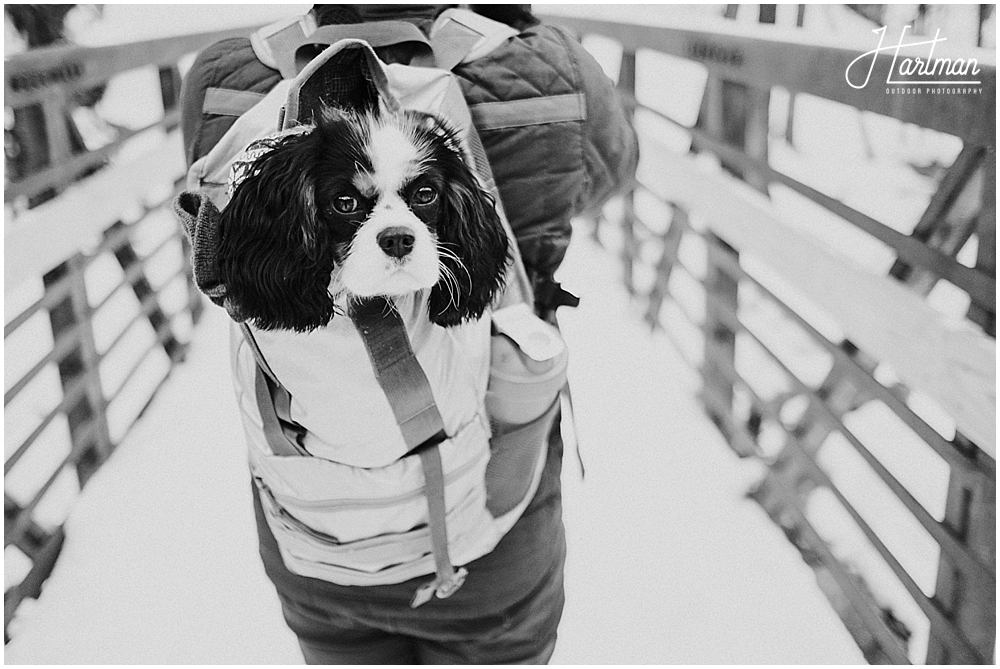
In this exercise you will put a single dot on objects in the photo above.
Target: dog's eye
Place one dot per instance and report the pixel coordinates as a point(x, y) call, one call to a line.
point(424, 195)
point(345, 204)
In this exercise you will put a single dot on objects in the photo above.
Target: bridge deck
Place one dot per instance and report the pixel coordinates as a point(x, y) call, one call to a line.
point(668, 563)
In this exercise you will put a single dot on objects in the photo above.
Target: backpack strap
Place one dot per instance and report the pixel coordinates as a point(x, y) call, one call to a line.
point(398, 372)
point(409, 393)
point(406, 387)
point(282, 45)
point(518, 287)
point(283, 435)
point(460, 34)
point(457, 35)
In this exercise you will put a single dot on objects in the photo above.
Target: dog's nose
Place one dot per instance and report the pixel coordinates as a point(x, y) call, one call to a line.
point(396, 241)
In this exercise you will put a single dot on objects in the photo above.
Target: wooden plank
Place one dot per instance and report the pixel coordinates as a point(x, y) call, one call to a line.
point(801, 455)
point(864, 381)
point(827, 411)
point(43, 237)
point(792, 519)
point(949, 361)
point(69, 400)
point(69, 169)
point(763, 56)
point(980, 286)
point(28, 77)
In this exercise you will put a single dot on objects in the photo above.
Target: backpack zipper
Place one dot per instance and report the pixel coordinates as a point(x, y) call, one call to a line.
point(357, 504)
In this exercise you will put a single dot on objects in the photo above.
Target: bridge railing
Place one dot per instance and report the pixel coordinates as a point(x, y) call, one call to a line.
point(99, 304)
point(873, 410)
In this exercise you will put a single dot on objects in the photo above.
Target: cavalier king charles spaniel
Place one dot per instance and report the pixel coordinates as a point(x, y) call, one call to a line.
point(357, 205)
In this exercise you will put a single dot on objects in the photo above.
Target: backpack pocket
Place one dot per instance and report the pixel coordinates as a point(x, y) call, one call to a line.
point(528, 364)
point(516, 460)
point(359, 526)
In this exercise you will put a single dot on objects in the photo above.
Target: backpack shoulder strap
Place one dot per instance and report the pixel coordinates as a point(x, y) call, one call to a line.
point(459, 35)
point(269, 43)
point(280, 45)
point(456, 36)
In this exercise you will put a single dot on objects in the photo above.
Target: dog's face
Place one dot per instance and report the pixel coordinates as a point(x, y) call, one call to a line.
point(357, 206)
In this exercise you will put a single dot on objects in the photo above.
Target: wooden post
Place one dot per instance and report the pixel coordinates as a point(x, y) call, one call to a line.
point(710, 116)
point(170, 90)
point(790, 120)
point(744, 125)
point(71, 317)
point(970, 513)
point(43, 559)
point(664, 268)
point(127, 259)
point(757, 134)
point(626, 84)
point(800, 19)
point(986, 261)
point(721, 297)
point(935, 217)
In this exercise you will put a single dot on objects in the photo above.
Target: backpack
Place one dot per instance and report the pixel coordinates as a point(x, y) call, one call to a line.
point(536, 100)
point(443, 501)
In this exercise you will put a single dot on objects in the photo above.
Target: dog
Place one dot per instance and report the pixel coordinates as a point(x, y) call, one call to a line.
point(357, 205)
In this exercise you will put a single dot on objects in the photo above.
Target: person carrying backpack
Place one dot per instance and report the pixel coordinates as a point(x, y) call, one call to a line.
point(559, 144)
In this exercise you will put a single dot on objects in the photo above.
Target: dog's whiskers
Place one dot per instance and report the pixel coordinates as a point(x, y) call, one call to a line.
point(448, 253)
point(451, 283)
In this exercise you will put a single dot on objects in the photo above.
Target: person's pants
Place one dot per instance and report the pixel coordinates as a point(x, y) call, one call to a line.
point(528, 637)
point(506, 612)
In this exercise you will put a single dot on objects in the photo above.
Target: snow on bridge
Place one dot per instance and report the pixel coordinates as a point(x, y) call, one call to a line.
point(668, 562)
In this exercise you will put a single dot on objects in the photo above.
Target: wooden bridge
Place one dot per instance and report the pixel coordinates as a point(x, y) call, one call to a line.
point(821, 346)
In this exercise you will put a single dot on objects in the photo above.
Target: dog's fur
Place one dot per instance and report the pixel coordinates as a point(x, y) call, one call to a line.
point(363, 204)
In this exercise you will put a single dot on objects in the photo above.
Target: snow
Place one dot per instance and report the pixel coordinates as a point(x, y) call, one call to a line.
point(668, 561)
point(160, 562)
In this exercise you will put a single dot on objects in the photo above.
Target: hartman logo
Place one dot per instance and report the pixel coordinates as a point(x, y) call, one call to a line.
point(919, 75)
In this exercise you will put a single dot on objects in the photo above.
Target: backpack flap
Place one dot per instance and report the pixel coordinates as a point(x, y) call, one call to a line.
point(275, 44)
point(347, 75)
point(460, 35)
point(210, 173)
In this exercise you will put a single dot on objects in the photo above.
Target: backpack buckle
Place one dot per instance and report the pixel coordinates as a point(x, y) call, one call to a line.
point(443, 588)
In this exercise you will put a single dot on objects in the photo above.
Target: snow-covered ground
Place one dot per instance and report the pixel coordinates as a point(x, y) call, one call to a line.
point(668, 562)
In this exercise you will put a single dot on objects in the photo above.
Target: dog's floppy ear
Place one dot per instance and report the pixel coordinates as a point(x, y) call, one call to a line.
point(474, 248)
point(273, 253)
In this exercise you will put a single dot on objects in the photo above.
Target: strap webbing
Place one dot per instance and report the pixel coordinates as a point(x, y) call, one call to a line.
point(229, 102)
point(274, 404)
point(452, 43)
point(398, 372)
point(268, 398)
point(447, 579)
point(376, 33)
point(409, 393)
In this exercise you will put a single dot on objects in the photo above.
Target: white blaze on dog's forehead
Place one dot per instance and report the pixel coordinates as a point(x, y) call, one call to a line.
point(396, 158)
